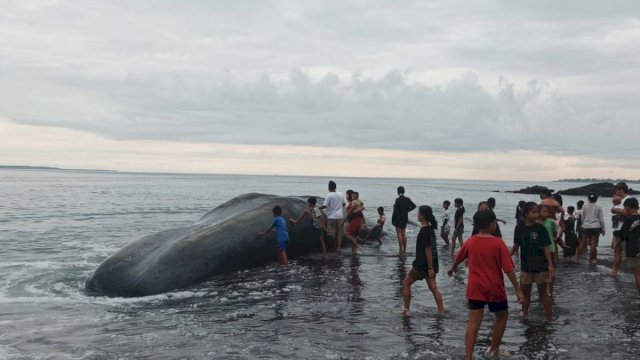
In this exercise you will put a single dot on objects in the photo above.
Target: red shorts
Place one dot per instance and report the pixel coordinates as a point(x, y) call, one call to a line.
point(354, 226)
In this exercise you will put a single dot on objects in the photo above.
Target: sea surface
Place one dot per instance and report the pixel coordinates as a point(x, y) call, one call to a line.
point(56, 227)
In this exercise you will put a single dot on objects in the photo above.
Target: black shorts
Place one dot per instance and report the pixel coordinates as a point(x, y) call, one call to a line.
point(592, 232)
point(493, 306)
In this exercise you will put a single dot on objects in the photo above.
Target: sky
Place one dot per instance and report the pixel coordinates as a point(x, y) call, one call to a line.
point(513, 90)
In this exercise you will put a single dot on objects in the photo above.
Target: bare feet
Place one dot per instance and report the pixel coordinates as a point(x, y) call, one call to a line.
point(497, 352)
point(405, 311)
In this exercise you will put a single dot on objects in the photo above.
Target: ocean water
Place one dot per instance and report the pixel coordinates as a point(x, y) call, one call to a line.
point(56, 227)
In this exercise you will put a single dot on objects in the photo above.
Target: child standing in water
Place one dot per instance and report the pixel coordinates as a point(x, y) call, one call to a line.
point(400, 218)
point(446, 226)
point(425, 266)
point(546, 219)
point(536, 265)
point(458, 223)
point(318, 219)
point(570, 236)
point(488, 258)
point(279, 225)
point(376, 232)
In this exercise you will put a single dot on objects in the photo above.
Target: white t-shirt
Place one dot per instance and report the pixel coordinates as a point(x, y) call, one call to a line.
point(333, 202)
point(446, 217)
point(621, 206)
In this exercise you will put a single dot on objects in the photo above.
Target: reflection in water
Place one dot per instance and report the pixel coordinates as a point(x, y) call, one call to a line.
point(401, 273)
point(538, 343)
point(354, 297)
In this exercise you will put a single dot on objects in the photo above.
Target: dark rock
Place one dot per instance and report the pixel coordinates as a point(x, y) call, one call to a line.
point(603, 189)
point(533, 190)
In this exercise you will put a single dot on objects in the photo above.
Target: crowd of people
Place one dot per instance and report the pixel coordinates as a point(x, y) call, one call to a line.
point(541, 230)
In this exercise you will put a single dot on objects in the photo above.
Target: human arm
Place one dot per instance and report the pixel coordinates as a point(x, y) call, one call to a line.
point(462, 254)
point(304, 214)
point(502, 221)
point(514, 281)
point(429, 254)
point(260, 234)
point(411, 205)
point(547, 254)
point(601, 219)
point(514, 249)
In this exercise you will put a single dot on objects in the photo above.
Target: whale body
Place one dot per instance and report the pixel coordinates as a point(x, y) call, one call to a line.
point(223, 240)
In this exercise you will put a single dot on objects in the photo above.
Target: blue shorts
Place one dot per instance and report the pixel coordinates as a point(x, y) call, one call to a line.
point(283, 245)
point(460, 231)
point(376, 233)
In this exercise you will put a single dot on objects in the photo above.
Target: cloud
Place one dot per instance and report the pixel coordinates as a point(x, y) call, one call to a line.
point(458, 77)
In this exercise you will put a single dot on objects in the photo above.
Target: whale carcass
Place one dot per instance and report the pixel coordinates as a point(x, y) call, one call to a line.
point(223, 240)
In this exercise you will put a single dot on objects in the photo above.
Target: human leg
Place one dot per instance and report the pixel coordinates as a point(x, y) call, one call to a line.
point(545, 296)
point(617, 257)
point(399, 235)
point(406, 291)
point(324, 246)
point(431, 282)
point(593, 254)
point(404, 240)
point(526, 291)
point(498, 331)
point(471, 333)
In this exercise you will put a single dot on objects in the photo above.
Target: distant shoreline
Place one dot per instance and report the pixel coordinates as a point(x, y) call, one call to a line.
point(591, 180)
point(25, 167)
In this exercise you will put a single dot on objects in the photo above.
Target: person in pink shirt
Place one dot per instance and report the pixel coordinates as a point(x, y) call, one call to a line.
point(488, 258)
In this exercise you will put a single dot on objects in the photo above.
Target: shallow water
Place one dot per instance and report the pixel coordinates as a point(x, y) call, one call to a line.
point(57, 227)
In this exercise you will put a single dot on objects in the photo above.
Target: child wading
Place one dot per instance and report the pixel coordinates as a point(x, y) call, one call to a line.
point(425, 265)
point(279, 225)
point(570, 236)
point(446, 226)
point(536, 265)
point(458, 223)
point(488, 258)
point(318, 218)
point(376, 232)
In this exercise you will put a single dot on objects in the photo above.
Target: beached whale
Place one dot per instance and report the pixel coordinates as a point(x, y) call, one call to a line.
point(222, 240)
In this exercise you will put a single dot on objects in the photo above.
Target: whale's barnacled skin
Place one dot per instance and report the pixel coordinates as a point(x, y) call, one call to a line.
point(223, 240)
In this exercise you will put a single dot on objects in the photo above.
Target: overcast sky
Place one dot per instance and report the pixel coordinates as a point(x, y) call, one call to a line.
point(492, 90)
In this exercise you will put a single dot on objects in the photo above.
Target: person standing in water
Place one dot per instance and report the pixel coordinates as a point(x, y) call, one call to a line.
point(488, 258)
point(622, 191)
point(592, 227)
point(318, 219)
point(425, 266)
point(446, 219)
point(279, 225)
point(536, 265)
point(333, 204)
point(570, 236)
point(630, 235)
point(458, 223)
point(400, 218)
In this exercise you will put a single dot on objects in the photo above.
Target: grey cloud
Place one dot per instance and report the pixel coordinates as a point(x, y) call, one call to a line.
point(221, 72)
